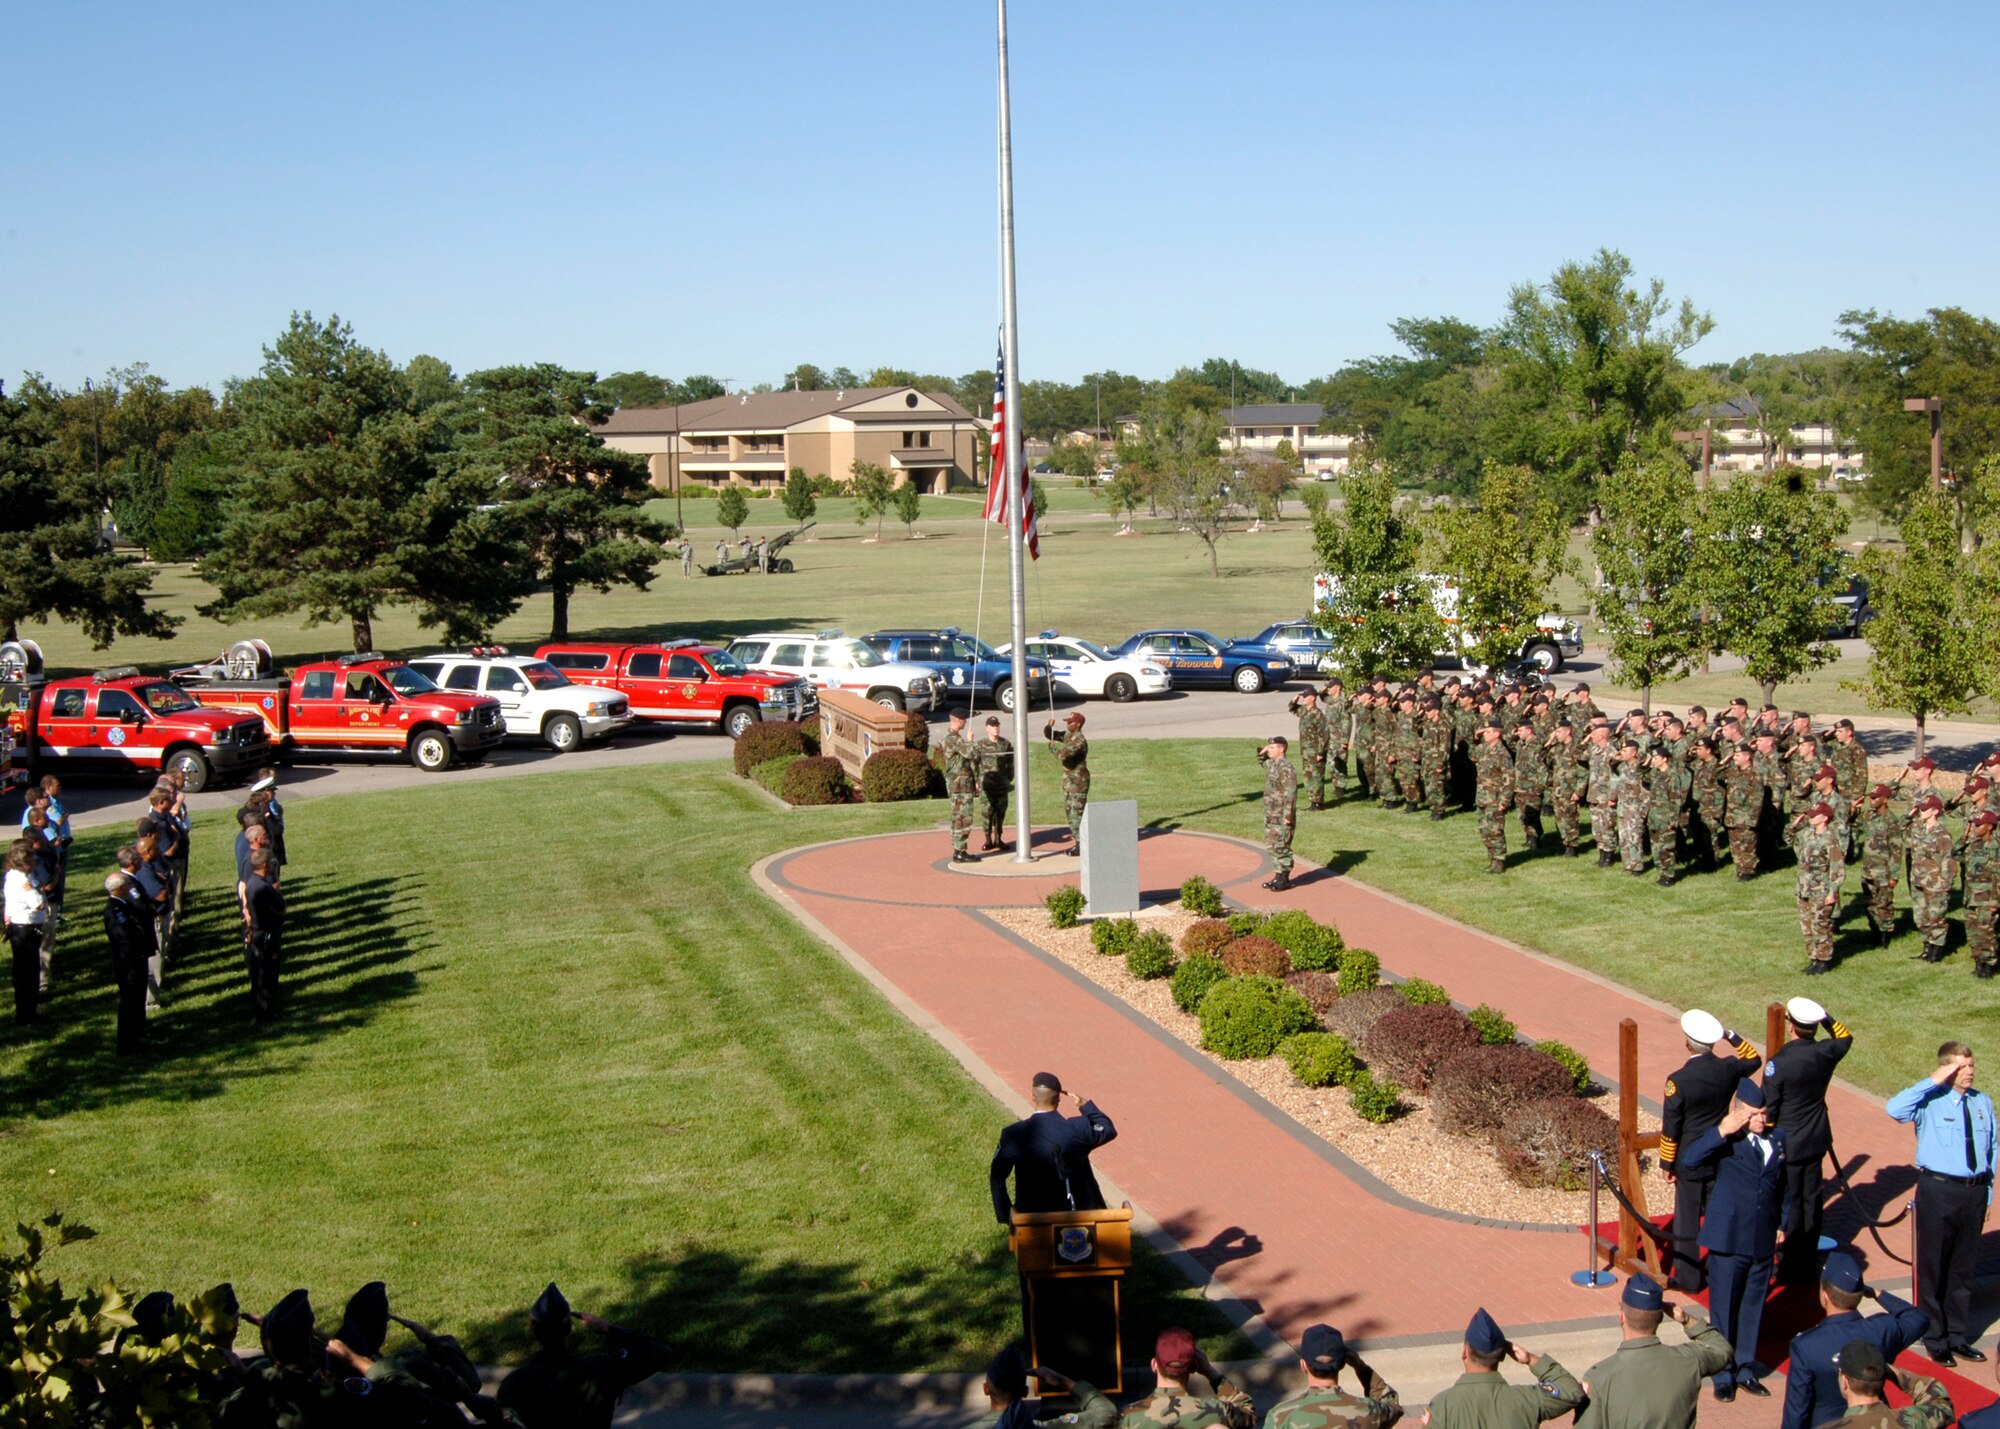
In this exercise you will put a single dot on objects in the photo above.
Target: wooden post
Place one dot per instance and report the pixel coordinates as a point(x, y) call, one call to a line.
point(1635, 1251)
point(1775, 1019)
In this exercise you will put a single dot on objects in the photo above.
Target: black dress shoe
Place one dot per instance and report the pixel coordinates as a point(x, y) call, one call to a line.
point(1754, 1387)
point(1967, 1352)
point(1943, 1360)
point(1725, 1393)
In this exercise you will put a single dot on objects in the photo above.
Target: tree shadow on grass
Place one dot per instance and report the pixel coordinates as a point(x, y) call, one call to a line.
point(349, 952)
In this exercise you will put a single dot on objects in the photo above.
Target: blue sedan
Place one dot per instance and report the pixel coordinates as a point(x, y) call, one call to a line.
point(1194, 658)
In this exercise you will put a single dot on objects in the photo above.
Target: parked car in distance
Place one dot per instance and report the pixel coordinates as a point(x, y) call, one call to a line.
point(537, 701)
point(1301, 640)
point(1090, 671)
point(966, 666)
point(1194, 658)
point(834, 661)
point(684, 684)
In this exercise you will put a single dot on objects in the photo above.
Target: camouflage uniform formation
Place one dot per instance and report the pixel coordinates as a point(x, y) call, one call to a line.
point(1882, 832)
point(1822, 852)
point(1566, 782)
point(1705, 794)
point(1629, 795)
point(1531, 784)
point(961, 782)
point(1434, 758)
point(1339, 712)
point(1183, 1409)
point(1932, 871)
point(1666, 796)
point(1742, 814)
point(1979, 866)
point(996, 786)
point(1364, 742)
point(1410, 755)
point(1314, 739)
point(1281, 802)
point(1602, 790)
point(1072, 751)
point(1493, 795)
point(1388, 777)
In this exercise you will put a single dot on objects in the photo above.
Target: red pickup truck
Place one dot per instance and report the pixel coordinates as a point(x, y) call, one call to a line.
point(120, 720)
point(683, 682)
point(359, 702)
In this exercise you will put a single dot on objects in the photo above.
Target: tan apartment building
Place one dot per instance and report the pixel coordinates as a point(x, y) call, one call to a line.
point(755, 438)
point(1743, 444)
point(1260, 429)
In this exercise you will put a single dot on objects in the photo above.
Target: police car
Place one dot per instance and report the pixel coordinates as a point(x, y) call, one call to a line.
point(834, 661)
point(965, 664)
point(537, 700)
point(1195, 658)
point(1090, 671)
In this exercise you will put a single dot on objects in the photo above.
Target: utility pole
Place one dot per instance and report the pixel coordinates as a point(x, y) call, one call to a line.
point(1935, 406)
point(1706, 436)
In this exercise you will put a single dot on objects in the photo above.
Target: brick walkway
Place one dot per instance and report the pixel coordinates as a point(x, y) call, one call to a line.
point(1289, 1228)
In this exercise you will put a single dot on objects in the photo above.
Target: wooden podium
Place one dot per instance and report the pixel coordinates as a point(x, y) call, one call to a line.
point(1071, 1263)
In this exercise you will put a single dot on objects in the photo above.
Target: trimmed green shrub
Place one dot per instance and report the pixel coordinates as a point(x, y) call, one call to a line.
point(809, 730)
point(1411, 1043)
point(1151, 955)
point(1210, 935)
point(1320, 990)
point(1318, 1059)
point(1548, 1143)
point(1312, 945)
point(1065, 906)
point(771, 773)
point(1493, 1024)
point(1355, 1012)
point(1256, 956)
point(1197, 973)
point(1359, 970)
point(1572, 1062)
point(1198, 895)
point(1374, 1098)
point(1420, 993)
point(767, 740)
point(1249, 1016)
point(1479, 1090)
point(1243, 924)
point(815, 780)
point(891, 775)
point(1114, 937)
point(917, 731)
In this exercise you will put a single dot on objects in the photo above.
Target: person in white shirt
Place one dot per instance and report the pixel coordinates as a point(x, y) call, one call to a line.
point(27, 916)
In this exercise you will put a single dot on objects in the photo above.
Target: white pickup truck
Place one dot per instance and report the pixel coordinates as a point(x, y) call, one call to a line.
point(536, 699)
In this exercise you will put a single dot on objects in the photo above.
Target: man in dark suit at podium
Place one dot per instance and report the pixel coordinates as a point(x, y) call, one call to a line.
point(1049, 1155)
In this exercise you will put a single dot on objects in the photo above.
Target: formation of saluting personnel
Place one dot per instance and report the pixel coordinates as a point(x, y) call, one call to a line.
point(1686, 791)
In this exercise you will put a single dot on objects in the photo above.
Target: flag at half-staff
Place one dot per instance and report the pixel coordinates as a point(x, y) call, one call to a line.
point(999, 466)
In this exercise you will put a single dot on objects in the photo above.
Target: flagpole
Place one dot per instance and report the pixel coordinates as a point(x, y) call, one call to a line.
point(1010, 465)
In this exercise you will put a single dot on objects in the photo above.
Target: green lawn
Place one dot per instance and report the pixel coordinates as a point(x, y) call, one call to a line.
point(581, 1048)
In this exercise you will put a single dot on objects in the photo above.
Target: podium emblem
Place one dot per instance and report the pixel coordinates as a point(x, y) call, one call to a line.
point(1075, 1244)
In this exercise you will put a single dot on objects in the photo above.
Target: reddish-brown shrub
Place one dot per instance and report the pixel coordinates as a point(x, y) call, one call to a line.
point(1476, 1091)
point(1411, 1043)
point(1320, 990)
point(815, 779)
point(1208, 935)
point(1548, 1143)
point(1356, 1012)
point(917, 731)
point(1256, 956)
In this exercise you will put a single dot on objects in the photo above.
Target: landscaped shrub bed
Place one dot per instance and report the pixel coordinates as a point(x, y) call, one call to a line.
point(1411, 1043)
point(1320, 990)
point(768, 740)
point(1319, 1059)
point(1256, 956)
point(1114, 937)
point(1353, 1014)
point(1474, 1092)
point(891, 775)
point(1065, 905)
point(1250, 1016)
point(1197, 973)
point(1210, 935)
point(770, 775)
point(1548, 1142)
point(815, 780)
point(1312, 945)
point(1151, 955)
point(1198, 895)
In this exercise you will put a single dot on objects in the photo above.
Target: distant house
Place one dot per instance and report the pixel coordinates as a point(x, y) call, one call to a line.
point(1259, 429)
point(755, 438)
point(1740, 440)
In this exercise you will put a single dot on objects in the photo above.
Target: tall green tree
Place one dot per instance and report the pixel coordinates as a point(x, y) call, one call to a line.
point(573, 506)
point(1646, 598)
point(1371, 599)
point(869, 485)
point(1502, 554)
point(1947, 353)
point(907, 501)
point(1934, 633)
point(1764, 563)
point(1589, 372)
point(1177, 458)
point(1124, 492)
point(800, 503)
point(637, 389)
point(732, 508)
point(54, 561)
point(1420, 409)
point(344, 499)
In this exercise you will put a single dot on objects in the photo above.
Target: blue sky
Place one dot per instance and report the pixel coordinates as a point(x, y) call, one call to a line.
point(736, 188)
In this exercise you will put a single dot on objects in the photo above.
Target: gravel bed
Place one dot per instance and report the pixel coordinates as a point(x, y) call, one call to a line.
point(1452, 1173)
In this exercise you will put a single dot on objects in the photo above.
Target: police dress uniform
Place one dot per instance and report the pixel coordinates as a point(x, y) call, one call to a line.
point(1795, 1083)
point(1955, 1145)
point(1695, 1099)
point(1740, 1232)
point(1644, 1384)
point(1812, 1380)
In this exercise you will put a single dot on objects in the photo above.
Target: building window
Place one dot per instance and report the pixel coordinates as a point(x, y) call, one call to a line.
point(923, 439)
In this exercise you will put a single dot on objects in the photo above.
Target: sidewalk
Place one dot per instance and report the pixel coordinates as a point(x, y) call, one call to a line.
point(1287, 1226)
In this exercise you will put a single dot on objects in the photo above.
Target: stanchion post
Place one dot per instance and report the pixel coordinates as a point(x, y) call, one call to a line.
point(1590, 1276)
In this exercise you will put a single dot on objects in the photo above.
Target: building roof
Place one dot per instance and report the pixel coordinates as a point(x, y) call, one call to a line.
point(1275, 414)
point(764, 411)
point(1735, 410)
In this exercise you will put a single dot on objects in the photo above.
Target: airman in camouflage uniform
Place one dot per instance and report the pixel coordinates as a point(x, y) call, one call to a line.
point(1410, 752)
point(1882, 832)
point(1493, 794)
point(1666, 797)
point(1281, 805)
point(961, 782)
point(1072, 751)
point(1801, 765)
point(1364, 741)
point(1849, 759)
point(1580, 707)
point(1743, 810)
point(1339, 711)
point(1863, 1371)
point(1531, 781)
point(1481, 1399)
point(1313, 741)
point(1388, 778)
point(1601, 788)
point(1979, 865)
point(996, 784)
point(1822, 870)
point(1769, 764)
point(1172, 1405)
point(1434, 756)
point(1566, 777)
point(1705, 793)
point(1628, 793)
point(1932, 871)
point(1322, 1404)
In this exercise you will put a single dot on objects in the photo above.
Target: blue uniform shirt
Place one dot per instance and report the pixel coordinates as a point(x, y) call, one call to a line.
point(1940, 1115)
point(1812, 1382)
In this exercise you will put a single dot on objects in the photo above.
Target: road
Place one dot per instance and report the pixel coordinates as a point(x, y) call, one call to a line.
point(1180, 714)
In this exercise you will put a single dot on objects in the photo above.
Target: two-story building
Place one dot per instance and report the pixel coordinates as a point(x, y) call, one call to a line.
point(1259, 429)
point(755, 438)
point(1741, 440)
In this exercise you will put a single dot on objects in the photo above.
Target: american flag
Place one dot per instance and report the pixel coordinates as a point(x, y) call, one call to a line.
point(996, 481)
